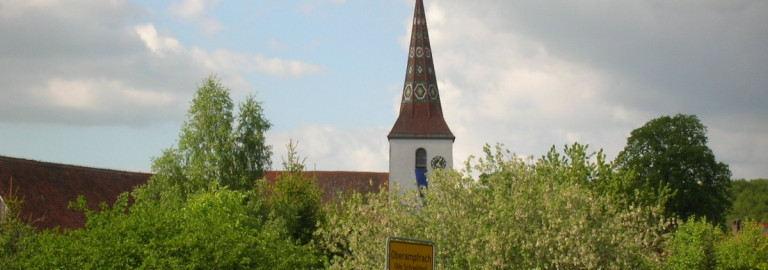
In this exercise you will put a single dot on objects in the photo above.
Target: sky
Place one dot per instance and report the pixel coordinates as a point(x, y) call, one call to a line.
point(107, 83)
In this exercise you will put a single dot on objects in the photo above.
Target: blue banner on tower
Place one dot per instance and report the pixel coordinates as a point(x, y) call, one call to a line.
point(421, 178)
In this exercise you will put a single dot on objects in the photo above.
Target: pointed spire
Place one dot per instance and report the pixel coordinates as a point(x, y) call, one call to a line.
point(421, 114)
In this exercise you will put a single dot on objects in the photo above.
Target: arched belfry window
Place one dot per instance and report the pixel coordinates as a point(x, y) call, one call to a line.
point(421, 158)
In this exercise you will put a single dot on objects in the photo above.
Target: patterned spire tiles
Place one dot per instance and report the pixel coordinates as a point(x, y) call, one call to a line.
point(421, 114)
point(420, 75)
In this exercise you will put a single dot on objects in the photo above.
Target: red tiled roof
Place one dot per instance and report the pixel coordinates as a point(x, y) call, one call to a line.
point(47, 188)
point(421, 114)
point(334, 182)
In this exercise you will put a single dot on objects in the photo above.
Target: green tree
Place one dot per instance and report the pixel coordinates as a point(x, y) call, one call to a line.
point(750, 200)
point(211, 149)
point(253, 155)
point(671, 153)
point(294, 198)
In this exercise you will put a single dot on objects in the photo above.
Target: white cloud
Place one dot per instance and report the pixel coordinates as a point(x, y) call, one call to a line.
point(99, 95)
point(198, 12)
point(158, 45)
point(211, 25)
point(237, 62)
point(70, 94)
point(330, 148)
point(188, 9)
point(102, 68)
point(285, 68)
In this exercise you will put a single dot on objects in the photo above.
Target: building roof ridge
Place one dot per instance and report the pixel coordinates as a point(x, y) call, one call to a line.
point(65, 166)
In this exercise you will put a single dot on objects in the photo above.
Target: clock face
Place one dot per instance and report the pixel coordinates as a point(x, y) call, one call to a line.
point(438, 162)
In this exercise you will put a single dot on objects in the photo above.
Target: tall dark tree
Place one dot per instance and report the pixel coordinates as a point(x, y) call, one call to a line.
point(671, 153)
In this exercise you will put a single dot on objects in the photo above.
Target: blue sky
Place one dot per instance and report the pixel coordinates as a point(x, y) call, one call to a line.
point(107, 83)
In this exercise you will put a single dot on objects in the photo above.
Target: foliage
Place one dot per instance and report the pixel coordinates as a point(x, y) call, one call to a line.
point(747, 249)
point(212, 229)
point(693, 245)
point(13, 231)
point(214, 146)
point(523, 214)
point(671, 152)
point(295, 199)
point(698, 244)
point(750, 200)
point(577, 166)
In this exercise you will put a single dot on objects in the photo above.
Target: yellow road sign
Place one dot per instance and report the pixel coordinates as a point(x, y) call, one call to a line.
point(410, 254)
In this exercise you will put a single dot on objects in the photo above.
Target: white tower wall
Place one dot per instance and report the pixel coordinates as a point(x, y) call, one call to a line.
point(402, 159)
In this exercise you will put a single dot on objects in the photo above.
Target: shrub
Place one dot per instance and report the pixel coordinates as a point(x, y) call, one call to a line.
point(747, 249)
point(692, 246)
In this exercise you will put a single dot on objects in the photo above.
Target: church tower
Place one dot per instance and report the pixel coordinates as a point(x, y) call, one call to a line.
point(420, 140)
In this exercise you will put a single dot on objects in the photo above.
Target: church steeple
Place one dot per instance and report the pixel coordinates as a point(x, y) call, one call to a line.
point(421, 114)
point(420, 140)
